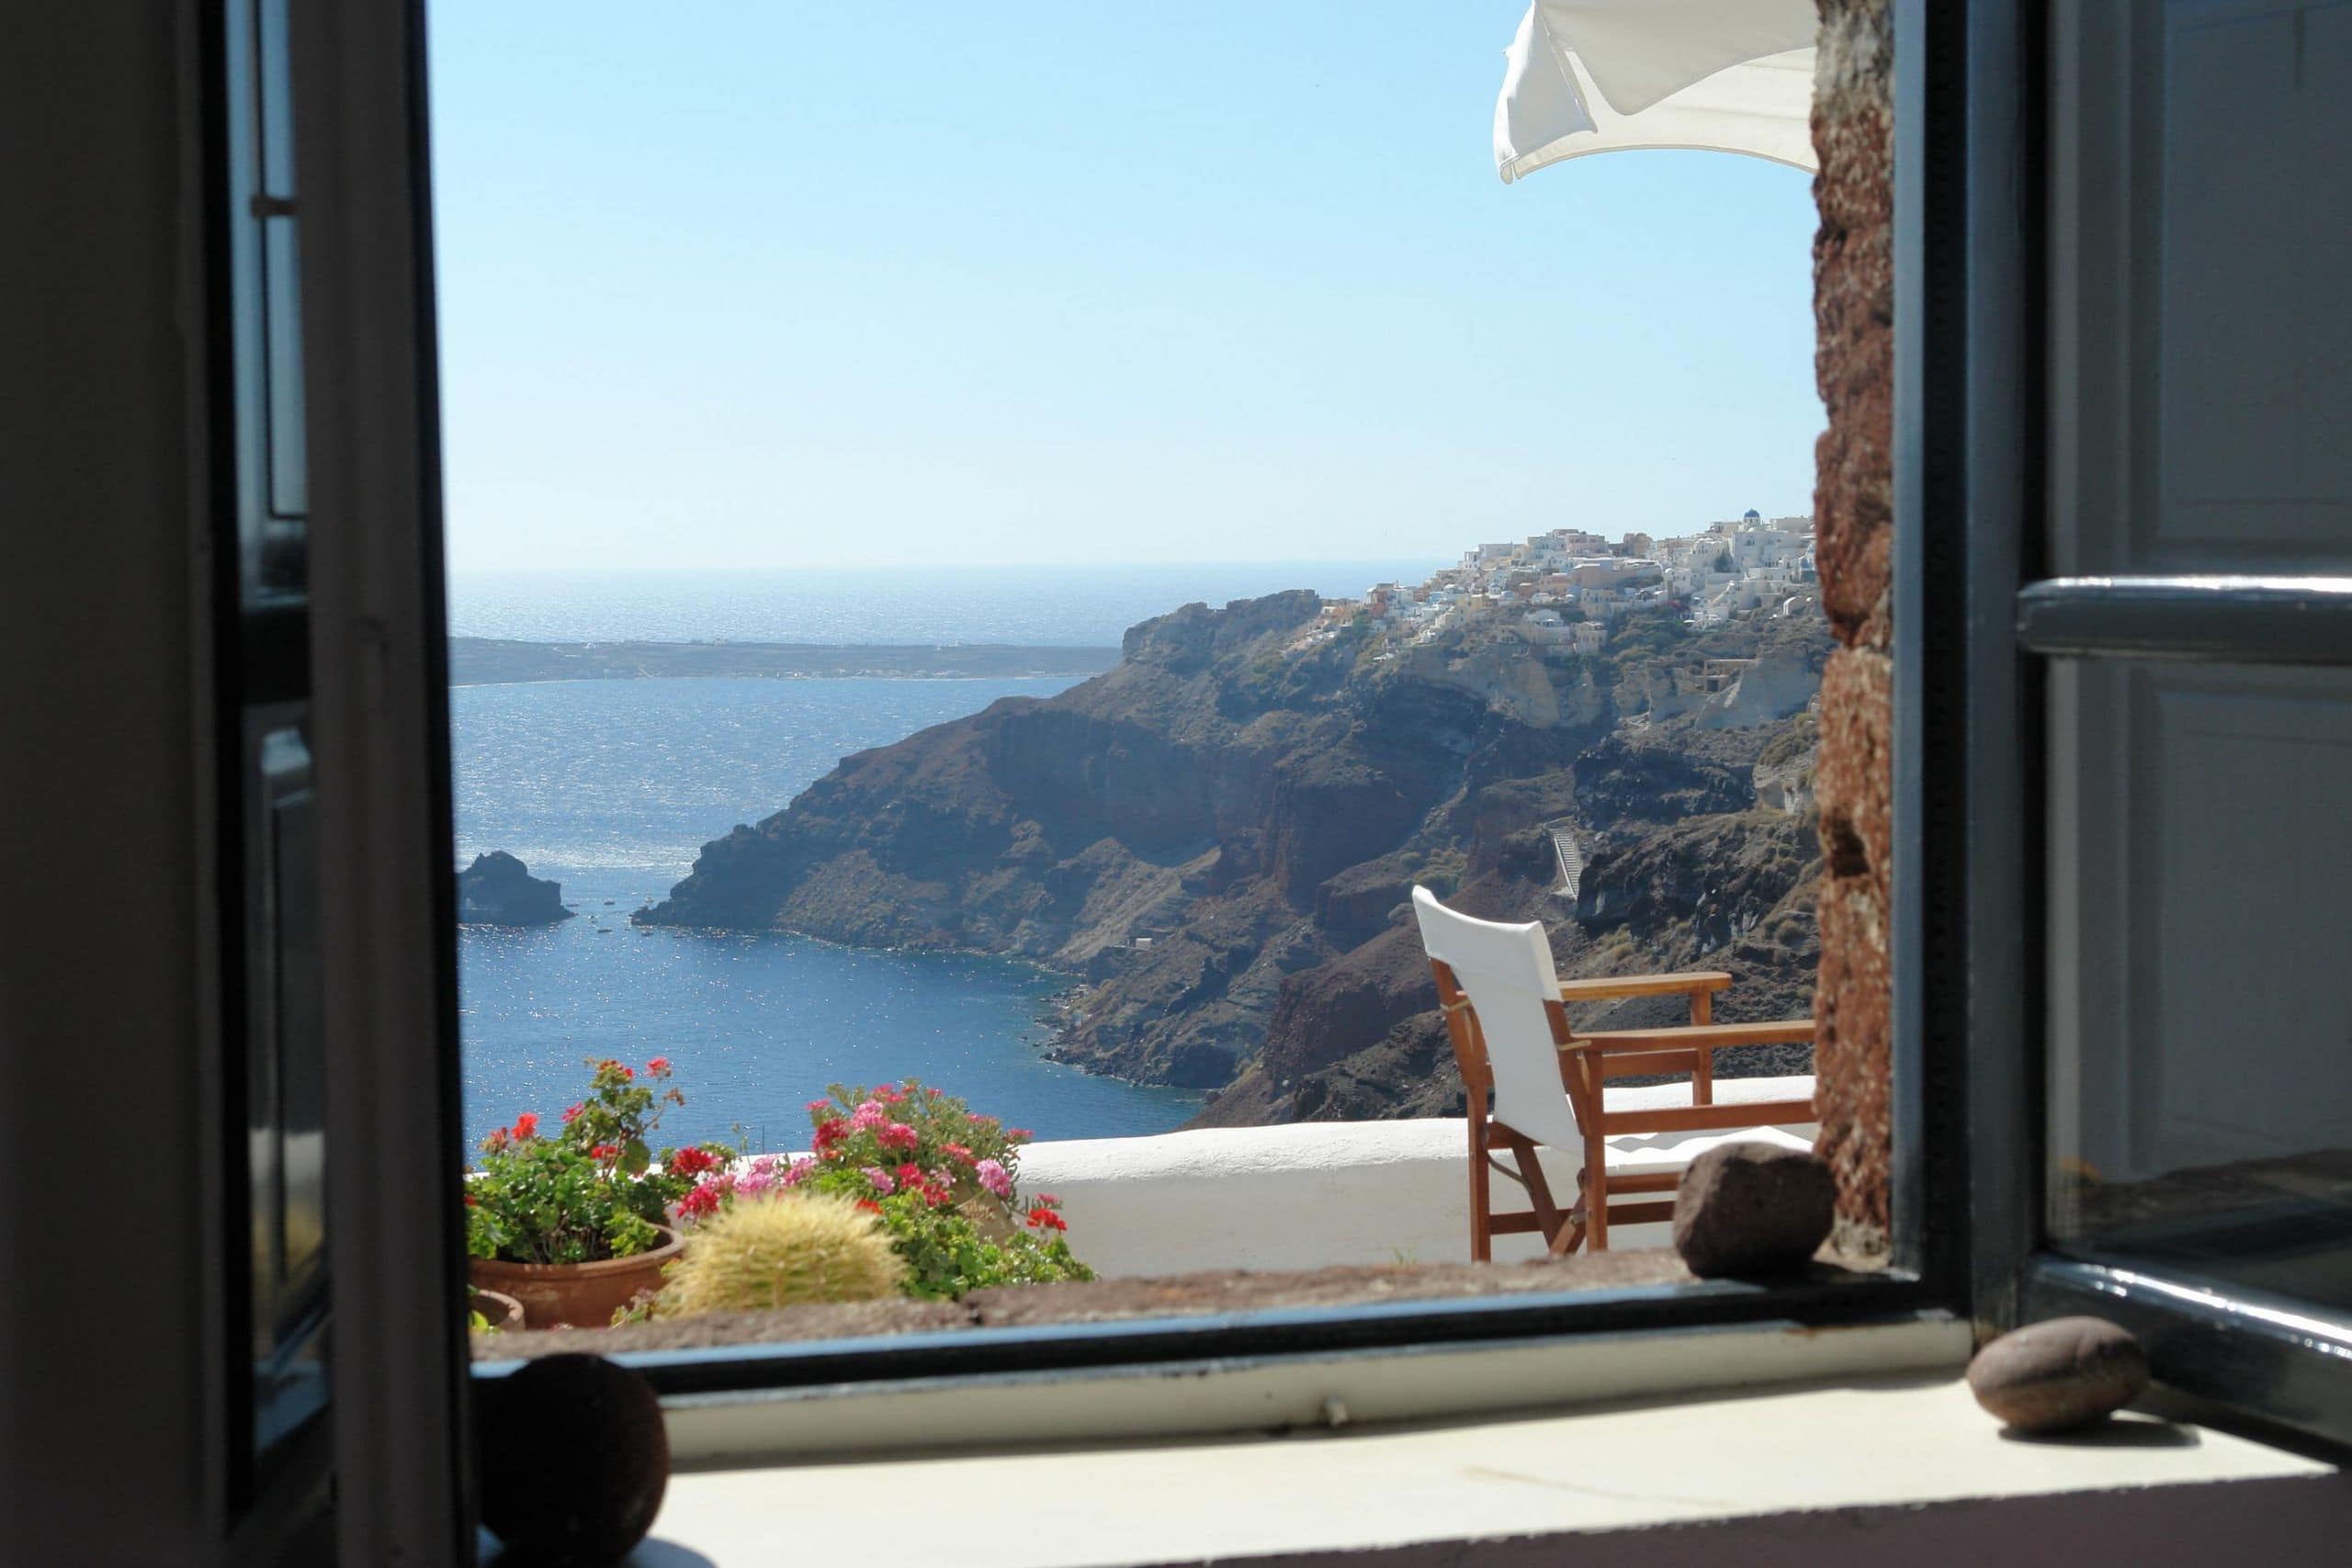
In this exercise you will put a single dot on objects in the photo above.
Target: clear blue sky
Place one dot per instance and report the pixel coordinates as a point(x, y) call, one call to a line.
point(769, 283)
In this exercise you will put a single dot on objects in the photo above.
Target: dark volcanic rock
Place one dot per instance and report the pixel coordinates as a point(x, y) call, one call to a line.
point(574, 1458)
point(2067, 1373)
point(499, 890)
point(1752, 1211)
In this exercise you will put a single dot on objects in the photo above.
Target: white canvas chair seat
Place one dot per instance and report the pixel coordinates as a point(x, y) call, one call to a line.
point(1508, 1024)
point(1636, 1152)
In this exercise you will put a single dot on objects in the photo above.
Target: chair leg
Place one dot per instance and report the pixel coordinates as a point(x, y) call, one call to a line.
point(1572, 1235)
point(1482, 1241)
point(1596, 1193)
point(1550, 1221)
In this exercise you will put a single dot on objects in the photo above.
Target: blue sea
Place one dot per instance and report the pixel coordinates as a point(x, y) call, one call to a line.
point(611, 787)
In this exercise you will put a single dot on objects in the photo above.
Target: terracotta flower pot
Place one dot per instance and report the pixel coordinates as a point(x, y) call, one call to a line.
point(500, 1310)
point(585, 1296)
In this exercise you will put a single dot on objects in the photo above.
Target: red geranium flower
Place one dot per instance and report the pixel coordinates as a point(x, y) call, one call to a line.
point(1019, 1135)
point(869, 1205)
point(659, 1066)
point(604, 1151)
point(527, 1125)
point(572, 1113)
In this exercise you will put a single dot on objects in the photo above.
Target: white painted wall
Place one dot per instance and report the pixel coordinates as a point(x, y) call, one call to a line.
point(1317, 1193)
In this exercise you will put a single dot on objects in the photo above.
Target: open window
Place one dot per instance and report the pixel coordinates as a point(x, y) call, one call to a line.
point(1184, 789)
point(2186, 615)
point(2002, 932)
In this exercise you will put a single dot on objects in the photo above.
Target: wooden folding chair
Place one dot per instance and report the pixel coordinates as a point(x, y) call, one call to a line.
point(1506, 1012)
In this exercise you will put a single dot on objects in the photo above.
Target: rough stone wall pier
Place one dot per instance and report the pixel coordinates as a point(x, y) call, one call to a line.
point(1853, 301)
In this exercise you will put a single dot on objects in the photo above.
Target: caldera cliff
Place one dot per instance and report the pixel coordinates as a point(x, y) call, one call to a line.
point(1219, 836)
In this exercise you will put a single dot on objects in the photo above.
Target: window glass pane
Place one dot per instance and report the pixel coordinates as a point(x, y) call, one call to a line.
point(2201, 1089)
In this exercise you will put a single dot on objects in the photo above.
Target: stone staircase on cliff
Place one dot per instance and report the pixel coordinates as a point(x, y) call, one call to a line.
point(1563, 845)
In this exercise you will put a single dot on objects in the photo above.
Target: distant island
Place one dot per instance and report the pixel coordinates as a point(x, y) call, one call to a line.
point(499, 890)
point(488, 662)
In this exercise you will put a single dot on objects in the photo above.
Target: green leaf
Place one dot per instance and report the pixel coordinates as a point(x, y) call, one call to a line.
point(635, 1157)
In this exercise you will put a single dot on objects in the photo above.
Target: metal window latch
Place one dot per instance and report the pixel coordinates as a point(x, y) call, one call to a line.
point(271, 206)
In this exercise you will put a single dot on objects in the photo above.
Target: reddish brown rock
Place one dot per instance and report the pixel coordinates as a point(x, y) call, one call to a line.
point(2055, 1376)
point(1853, 274)
point(1853, 513)
point(1752, 1211)
point(1852, 1002)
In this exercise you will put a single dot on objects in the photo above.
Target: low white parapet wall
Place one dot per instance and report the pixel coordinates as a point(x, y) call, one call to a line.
point(1311, 1194)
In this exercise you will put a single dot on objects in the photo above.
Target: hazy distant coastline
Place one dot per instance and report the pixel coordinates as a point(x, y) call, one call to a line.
point(489, 661)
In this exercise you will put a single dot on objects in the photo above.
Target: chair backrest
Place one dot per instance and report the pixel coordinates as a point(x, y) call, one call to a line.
point(1506, 973)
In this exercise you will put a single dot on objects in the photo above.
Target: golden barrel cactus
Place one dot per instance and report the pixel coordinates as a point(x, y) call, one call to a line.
point(782, 1251)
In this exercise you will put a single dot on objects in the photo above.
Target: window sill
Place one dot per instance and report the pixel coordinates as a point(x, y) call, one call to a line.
point(1804, 1458)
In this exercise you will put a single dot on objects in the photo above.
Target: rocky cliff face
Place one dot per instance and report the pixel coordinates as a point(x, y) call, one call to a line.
point(499, 890)
point(1219, 836)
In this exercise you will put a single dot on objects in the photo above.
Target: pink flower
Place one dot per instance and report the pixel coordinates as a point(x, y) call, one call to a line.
point(958, 1153)
point(572, 1113)
point(753, 1185)
point(896, 1135)
point(1019, 1135)
point(764, 1165)
point(869, 1114)
point(883, 1181)
point(995, 1178)
point(798, 1171)
point(818, 1107)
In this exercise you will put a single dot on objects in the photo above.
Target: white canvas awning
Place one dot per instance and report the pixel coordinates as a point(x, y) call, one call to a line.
point(1587, 76)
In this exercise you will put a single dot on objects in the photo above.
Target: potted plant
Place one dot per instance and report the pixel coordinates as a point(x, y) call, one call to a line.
point(574, 1223)
point(489, 1312)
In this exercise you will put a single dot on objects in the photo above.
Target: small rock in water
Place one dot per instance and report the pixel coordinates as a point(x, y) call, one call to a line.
point(1752, 1208)
point(2067, 1373)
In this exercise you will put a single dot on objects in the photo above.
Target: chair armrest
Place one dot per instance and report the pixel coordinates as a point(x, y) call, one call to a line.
point(1610, 987)
point(1696, 1037)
